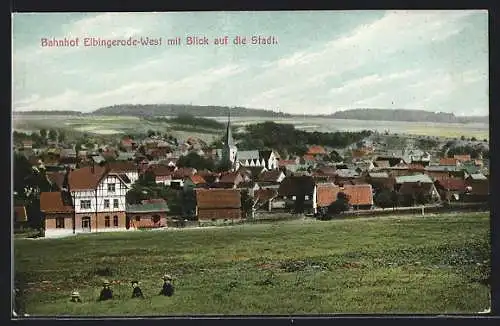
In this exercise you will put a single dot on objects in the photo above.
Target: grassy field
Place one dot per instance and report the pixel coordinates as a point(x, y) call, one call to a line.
point(375, 265)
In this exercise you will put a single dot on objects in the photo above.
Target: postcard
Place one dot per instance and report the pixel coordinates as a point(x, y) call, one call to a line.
point(229, 163)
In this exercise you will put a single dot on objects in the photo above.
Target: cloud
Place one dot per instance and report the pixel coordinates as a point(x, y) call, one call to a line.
point(373, 80)
point(152, 92)
point(368, 66)
point(308, 69)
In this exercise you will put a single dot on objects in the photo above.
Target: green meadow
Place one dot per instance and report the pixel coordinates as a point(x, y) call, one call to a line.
point(409, 264)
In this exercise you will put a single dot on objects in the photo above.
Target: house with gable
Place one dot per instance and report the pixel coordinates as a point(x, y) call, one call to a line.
point(297, 193)
point(360, 195)
point(128, 171)
point(218, 204)
point(58, 213)
point(148, 214)
point(98, 196)
point(410, 187)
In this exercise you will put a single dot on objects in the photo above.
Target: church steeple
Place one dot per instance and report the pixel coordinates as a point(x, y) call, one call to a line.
point(229, 151)
point(229, 135)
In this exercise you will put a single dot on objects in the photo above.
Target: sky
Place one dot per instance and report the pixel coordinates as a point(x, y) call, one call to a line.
point(323, 62)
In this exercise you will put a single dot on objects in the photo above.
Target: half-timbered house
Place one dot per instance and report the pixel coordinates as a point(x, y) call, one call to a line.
point(99, 199)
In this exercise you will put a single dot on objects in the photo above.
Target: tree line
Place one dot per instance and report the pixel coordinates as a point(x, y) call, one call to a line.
point(285, 137)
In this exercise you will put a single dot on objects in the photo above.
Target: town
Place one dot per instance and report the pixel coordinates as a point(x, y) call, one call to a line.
point(155, 181)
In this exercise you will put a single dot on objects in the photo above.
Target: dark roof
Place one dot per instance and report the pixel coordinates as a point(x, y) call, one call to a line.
point(264, 154)
point(415, 187)
point(122, 166)
point(218, 198)
point(229, 177)
point(479, 187)
point(270, 176)
point(161, 170)
point(294, 185)
point(56, 178)
point(263, 195)
point(327, 170)
point(125, 178)
point(391, 159)
point(55, 202)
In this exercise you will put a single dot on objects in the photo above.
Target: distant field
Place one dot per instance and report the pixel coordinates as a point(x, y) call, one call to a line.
point(109, 125)
point(123, 124)
point(378, 265)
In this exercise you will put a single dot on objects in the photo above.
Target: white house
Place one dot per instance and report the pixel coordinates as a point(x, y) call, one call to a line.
point(97, 199)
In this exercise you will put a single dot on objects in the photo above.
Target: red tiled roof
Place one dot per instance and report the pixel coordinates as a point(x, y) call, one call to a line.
point(308, 157)
point(413, 166)
point(181, 173)
point(448, 161)
point(359, 194)
point(326, 194)
point(86, 178)
point(462, 158)
point(52, 202)
point(286, 162)
point(218, 198)
point(315, 150)
point(452, 184)
point(205, 173)
point(197, 179)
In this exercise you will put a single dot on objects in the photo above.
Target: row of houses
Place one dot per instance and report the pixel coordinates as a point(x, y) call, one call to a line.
point(92, 199)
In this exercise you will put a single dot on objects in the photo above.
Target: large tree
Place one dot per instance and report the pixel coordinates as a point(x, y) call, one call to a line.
point(193, 160)
point(384, 199)
point(52, 134)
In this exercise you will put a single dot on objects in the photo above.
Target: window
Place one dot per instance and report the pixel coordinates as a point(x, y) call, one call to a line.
point(111, 187)
point(294, 197)
point(60, 222)
point(115, 203)
point(115, 220)
point(138, 218)
point(85, 204)
point(106, 203)
point(107, 222)
point(306, 197)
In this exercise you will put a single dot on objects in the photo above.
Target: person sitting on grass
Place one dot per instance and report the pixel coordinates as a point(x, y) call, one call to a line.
point(168, 288)
point(106, 293)
point(136, 292)
point(75, 297)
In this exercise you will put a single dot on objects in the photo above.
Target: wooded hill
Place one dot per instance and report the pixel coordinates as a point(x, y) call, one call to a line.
point(158, 110)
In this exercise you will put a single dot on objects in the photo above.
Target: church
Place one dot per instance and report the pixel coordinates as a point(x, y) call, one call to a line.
point(254, 158)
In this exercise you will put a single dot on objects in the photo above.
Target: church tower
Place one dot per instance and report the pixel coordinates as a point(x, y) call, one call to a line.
point(229, 150)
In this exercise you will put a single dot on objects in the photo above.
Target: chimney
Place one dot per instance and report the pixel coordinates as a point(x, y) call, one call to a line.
point(92, 167)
